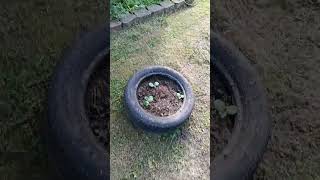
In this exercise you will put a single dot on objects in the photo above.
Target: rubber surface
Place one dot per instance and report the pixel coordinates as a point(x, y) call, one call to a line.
point(148, 121)
point(251, 133)
point(73, 149)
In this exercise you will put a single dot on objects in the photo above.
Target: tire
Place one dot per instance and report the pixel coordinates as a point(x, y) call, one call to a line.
point(73, 148)
point(240, 158)
point(147, 121)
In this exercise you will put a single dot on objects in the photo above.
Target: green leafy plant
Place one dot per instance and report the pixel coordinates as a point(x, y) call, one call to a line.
point(120, 7)
point(153, 85)
point(148, 100)
point(223, 109)
point(116, 10)
point(180, 96)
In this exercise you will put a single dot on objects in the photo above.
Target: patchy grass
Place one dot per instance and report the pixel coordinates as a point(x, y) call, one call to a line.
point(180, 41)
point(33, 35)
point(119, 7)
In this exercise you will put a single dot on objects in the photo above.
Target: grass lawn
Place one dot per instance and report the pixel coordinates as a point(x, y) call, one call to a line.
point(180, 41)
point(119, 7)
point(33, 34)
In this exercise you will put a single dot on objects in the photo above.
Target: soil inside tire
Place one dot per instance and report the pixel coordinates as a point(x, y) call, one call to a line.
point(221, 128)
point(166, 101)
point(97, 98)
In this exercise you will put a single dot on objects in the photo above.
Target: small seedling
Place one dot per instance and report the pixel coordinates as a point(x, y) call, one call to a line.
point(154, 85)
point(147, 100)
point(151, 84)
point(180, 96)
point(146, 103)
point(223, 109)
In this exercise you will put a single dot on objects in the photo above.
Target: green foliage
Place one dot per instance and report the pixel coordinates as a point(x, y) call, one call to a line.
point(119, 7)
point(147, 100)
point(116, 10)
point(223, 109)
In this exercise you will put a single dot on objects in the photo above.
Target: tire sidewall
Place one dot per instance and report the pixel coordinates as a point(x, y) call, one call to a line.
point(72, 146)
point(251, 133)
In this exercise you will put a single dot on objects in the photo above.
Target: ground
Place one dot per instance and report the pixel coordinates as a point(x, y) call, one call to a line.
point(180, 41)
point(281, 39)
point(33, 35)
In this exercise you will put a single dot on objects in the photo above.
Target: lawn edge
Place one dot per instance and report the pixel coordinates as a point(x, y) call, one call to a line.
point(143, 14)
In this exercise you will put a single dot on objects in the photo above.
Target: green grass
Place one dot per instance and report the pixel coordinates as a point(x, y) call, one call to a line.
point(119, 7)
point(180, 41)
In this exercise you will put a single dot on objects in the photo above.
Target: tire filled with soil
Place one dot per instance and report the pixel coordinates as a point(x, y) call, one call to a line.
point(158, 99)
point(241, 139)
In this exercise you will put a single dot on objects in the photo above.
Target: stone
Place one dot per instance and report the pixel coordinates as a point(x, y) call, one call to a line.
point(167, 5)
point(155, 9)
point(142, 14)
point(115, 25)
point(179, 3)
point(128, 19)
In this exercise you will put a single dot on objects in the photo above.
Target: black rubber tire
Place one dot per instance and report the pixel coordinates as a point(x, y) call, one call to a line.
point(73, 148)
point(239, 159)
point(146, 120)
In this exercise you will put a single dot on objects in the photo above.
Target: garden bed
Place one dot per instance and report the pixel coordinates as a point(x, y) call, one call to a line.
point(164, 96)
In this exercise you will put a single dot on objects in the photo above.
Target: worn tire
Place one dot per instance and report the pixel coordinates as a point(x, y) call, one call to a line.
point(73, 148)
point(239, 159)
point(150, 122)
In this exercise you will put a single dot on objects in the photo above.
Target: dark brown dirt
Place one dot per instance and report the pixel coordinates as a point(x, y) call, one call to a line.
point(281, 39)
point(97, 106)
point(165, 101)
point(221, 129)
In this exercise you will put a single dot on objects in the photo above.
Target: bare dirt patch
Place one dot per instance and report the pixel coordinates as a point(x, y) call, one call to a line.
point(281, 38)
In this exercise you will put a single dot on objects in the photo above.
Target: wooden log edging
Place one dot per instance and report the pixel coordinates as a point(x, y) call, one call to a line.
point(143, 14)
